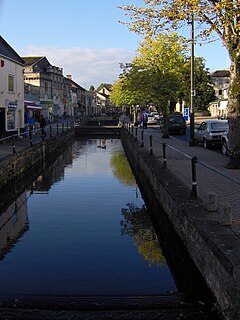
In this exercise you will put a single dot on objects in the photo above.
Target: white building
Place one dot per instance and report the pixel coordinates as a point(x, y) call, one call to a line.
point(221, 81)
point(11, 90)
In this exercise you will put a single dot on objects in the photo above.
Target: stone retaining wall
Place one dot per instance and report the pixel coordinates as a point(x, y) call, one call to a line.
point(205, 239)
point(19, 163)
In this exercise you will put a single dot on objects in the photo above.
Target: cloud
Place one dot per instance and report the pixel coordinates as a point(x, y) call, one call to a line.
point(86, 65)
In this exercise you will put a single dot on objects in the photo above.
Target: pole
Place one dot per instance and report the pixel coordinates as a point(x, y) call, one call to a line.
point(191, 141)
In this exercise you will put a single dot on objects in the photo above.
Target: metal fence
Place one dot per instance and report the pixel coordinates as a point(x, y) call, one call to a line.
point(35, 135)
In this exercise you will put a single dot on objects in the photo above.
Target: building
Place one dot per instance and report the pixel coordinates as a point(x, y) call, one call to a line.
point(11, 90)
point(48, 80)
point(221, 82)
point(103, 102)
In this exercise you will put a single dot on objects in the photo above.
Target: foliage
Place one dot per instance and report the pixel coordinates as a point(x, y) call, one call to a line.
point(204, 88)
point(153, 75)
point(137, 224)
point(91, 88)
point(219, 18)
point(104, 85)
point(130, 88)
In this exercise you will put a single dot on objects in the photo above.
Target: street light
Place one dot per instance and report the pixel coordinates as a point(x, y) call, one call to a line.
point(192, 140)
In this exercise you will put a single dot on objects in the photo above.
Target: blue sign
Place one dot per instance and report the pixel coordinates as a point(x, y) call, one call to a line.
point(186, 113)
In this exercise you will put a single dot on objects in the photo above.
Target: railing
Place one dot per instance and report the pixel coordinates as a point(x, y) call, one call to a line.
point(146, 140)
point(37, 134)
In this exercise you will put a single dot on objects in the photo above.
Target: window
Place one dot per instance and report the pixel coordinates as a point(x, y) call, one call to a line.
point(10, 83)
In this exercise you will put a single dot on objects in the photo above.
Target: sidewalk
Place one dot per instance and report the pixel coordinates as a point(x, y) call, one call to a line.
point(8, 146)
point(179, 154)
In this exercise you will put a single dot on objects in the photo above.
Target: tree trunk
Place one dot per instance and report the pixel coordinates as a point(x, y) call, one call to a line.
point(234, 114)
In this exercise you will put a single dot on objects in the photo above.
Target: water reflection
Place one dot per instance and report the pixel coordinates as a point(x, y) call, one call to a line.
point(13, 224)
point(75, 243)
point(137, 224)
point(122, 169)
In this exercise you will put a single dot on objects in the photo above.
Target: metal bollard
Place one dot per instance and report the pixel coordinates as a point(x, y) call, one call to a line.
point(30, 136)
point(13, 144)
point(193, 193)
point(57, 129)
point(164, 155)
point(50, 131)
point(67, 126)
point(136, 129)
point(142, 144)
point(151, 147)
point(132, 129)
point(62, 127)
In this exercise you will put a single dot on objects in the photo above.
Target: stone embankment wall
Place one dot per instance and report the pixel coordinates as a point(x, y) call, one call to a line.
point(20, 163)
point(201, 236)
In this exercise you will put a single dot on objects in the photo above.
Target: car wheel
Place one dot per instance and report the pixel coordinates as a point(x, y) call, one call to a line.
point(224, 147)
point(205, 143)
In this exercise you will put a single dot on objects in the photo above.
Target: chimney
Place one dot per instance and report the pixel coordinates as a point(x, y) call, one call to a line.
point(69, 76)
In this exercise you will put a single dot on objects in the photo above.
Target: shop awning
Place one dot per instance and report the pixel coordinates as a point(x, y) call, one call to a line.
point(29, 105)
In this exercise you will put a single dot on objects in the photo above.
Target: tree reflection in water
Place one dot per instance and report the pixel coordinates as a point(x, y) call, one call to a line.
point(137, 224)
point(122, 169)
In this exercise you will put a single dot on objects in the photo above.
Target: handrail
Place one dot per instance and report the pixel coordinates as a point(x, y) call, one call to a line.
point(31, 132)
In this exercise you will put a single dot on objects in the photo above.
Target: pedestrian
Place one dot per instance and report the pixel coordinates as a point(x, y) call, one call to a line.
point(42, 126)
point(145, 120)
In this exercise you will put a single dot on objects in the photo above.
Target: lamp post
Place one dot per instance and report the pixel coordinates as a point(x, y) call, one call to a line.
point(192, 140)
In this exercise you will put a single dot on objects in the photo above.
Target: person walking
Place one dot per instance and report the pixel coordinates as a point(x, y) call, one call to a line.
point(145, 120)
point(42, 126)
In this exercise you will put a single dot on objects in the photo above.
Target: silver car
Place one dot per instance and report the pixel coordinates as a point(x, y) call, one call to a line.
point(210, 132)
point(225, 143)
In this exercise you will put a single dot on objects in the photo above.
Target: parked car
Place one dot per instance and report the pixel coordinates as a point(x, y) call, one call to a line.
point(176, 123)
point(152, 119)
point(155, 114)
point(225, 142)
point(210, 132)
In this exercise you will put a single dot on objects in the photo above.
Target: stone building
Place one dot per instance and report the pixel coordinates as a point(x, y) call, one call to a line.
point(49, 80)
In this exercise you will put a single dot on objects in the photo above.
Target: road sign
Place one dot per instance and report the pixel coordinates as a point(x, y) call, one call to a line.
point(186, 113)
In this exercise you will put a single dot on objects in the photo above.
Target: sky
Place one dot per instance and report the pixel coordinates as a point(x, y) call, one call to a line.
point(83, 37)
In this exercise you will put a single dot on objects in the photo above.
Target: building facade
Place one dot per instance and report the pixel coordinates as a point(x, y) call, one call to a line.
point(11, 90)
point(221, 82)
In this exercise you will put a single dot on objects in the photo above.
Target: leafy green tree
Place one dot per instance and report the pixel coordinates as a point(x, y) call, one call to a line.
point(219, 18)
point(204, 88)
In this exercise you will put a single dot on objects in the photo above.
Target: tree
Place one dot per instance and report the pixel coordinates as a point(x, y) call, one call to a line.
point(104, 85)
point(219, 18)
point(154, 74)
point(130, 89)
point(91, 88)
point(204, 88)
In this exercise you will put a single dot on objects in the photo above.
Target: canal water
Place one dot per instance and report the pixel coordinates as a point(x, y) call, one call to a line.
point(82, 228)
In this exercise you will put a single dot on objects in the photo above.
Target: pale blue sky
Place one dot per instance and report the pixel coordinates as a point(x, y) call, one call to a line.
point(82, 37)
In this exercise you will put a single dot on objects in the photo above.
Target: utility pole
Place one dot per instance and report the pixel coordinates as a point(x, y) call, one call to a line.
point(192, 140)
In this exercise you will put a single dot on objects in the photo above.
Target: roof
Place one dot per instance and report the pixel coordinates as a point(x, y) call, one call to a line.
point(31, 60)
point(221, 73)
point(7, 51)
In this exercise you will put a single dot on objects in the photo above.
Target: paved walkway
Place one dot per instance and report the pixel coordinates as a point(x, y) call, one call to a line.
point(9, 145)
point(212, 175)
